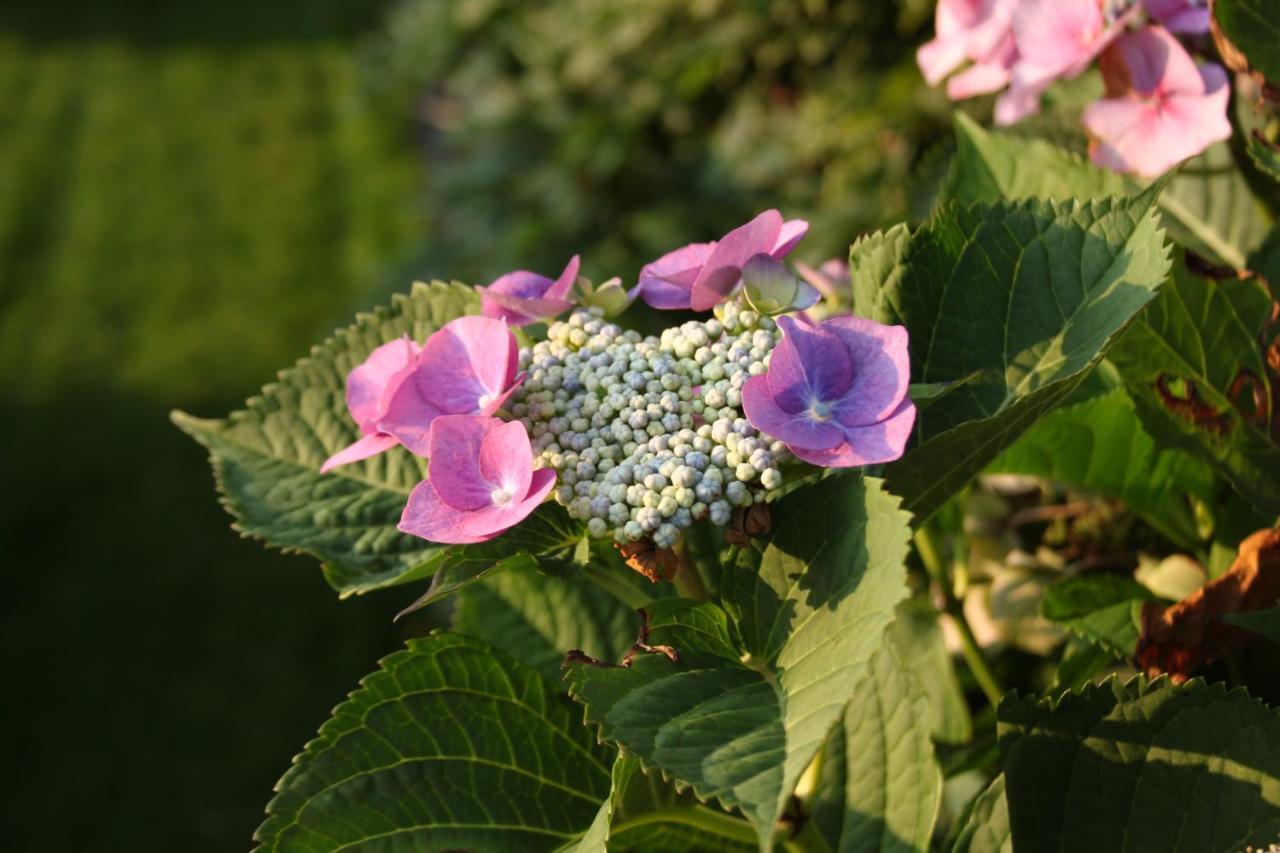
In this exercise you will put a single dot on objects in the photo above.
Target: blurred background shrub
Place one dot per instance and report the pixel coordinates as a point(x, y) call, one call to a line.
point(195, 192)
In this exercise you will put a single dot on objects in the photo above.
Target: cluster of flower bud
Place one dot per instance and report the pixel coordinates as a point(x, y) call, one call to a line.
point(647, 434)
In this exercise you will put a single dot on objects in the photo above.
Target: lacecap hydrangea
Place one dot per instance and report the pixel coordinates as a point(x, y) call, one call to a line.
point(637, 436)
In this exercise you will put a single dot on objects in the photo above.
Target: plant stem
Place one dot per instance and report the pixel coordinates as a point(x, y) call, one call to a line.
point(629, 594)
point(688, 580)
point(927, 548)
point(699, 817)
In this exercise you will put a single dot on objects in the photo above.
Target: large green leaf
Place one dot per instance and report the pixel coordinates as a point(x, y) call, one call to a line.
point(536, 618)
point(1102, 607)
point(917, 635)
point(449, 745)
point(1264, 623)
point(1207, 207)
point(1028, 295)
point(1099, 444)
point(812, 602)
point(1142, 766)
point(880, 787)
point(1253, 26)
point(1180, 361)
point(267, 457)
point(985, 827)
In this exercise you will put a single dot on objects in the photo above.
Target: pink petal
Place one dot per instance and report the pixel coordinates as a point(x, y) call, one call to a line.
point(867, 445)
point(793, 231)
point(409, 418)
point(455, 469)
point(881, 369)
point(666, 282)
point(986, 76)
point(940, 57)
point(1151, 62)
point(521, 311)
point(467, 359)
point(506, 458)
point(1181, 16)
point(796, 429)
point(363, 448)
point(428, 517)
point(368, 383)
point(560, 289)
point(723, 268)
point(810, 364)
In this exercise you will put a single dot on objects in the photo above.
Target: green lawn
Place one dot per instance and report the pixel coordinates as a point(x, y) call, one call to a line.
point(189, 197)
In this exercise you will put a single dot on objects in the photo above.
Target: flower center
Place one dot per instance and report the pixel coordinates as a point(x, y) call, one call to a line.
point(485, 400)
point(500, 496)
point(819, 410)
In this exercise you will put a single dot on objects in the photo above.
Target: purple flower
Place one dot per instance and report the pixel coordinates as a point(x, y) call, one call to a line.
point(468, 367)
point(480, 481)
point(1190, 17)
point(523, 297)
point(835, 393)
point(702, 275)
point(369, 388)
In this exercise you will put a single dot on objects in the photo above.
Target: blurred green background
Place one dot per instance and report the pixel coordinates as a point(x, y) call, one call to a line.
point(191, 193)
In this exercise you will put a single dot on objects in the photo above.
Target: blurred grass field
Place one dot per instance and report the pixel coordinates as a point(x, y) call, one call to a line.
point(189, 197)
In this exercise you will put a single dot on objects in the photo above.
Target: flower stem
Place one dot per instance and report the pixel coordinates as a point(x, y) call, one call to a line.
point(927, 548)
point(688, 580)
point(699, 817)
point(629, 594)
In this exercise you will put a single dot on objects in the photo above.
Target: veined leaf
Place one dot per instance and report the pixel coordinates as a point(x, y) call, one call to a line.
point(880, 787)
point(1029, 295)
point(1142, 766)
point(917, 636)
point(1099, 444)
point(267, 457)
point(1194, 367)
point(812, 607)
point(985, 827)
point(536, 618)
point(1207, 207)
point(1253, 26)
point(1265, 155)
point(1102, 607)
point(449, 745)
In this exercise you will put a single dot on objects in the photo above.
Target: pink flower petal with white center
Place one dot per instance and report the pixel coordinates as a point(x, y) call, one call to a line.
point(367, 384)
point(867, 445)
point(792, 232)
point(796, 429)
point(455, 446)
point(881, 369)
point(723, 269)
point(811, 364)
point(506, 458)
point(665, 283)
point(429, 517)
point(363, 448)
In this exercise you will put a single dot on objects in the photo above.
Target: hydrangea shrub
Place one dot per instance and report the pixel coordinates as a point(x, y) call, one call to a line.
point(967, 541)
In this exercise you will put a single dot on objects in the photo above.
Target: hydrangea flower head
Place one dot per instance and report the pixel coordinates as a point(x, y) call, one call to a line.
point(702, 275)
point(836, 392)
point(369, 388)
point(524, 297)
point(480, 481)
point(1161, 108)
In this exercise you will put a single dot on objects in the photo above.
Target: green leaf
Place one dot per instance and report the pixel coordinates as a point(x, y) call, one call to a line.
point(1029, 295)
point(267, 457)
point(1102, 607)
point(880, 787)
point(986, 825)
point(917, 636)
point(1082, 660)
point(1265, 623)
point(1253, 26)
point(812, 606)
point(449, 745)
point(1099, 445)
point(1142, 766)
point(1208, 206)
point(536, 618)
point(1180, 360)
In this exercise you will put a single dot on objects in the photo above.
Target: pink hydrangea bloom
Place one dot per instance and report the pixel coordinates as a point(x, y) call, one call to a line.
point(979, 31)
point(1056, 39)
point(1161, 108)
point(369, 388)
point(480, 481)
point(702, 275)
point(835, 393)
point(467, 367)
point(1181, 16)
point(524, 297)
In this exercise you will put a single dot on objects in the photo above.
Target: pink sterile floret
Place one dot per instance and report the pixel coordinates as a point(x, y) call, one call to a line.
point(524, 297)
point(977, 30)
point(835, 393)
point(702, 275)
point(1160, 109)
point(480, 481)
point(467, 367)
